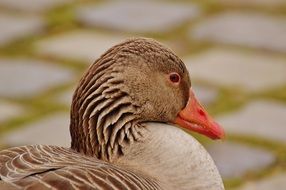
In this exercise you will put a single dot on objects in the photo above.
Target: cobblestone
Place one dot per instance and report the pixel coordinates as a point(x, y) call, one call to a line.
point(51, 130)
point(254, 3)
point(9, 110)
point(206, 95)
point(234, 160)
point(131, 15)
point(21, 78)
point(237, 69)
point(245, 29)
point(32, 5)
point(65, 97)
point(89, 46)
point(259, 118)
point(16, 27)
point(276, 182)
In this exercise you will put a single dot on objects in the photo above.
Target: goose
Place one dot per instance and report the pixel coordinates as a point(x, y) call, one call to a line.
point(126, 122)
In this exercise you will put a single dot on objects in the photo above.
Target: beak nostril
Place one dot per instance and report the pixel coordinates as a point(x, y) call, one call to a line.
point(201, 112)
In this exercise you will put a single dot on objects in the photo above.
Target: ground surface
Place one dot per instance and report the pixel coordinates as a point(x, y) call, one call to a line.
point(235, 51)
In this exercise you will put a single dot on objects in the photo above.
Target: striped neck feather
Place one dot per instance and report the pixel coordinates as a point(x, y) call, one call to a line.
point(103, 117)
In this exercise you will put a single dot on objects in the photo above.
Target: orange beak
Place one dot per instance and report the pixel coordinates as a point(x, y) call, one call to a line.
point(194, 117)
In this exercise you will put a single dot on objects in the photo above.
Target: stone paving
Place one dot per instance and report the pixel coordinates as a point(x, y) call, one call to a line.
point(65, 97)
point(241, 69)
point(16, 27)
point(228, 156)
point(254, 3)
point(32, 5)
point(89, 45)
point(241, 28)
point(268, 117)
point(130, 15)
point(234, 50)
point(23, 77)
point(9, 110)
point(206, 95)
point(56, 125)
point(274, 182)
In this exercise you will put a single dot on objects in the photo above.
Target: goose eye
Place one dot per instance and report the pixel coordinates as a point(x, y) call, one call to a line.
point(174, 77)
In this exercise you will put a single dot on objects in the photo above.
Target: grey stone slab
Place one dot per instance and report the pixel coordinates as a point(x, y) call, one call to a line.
point(14, 27)
point(9, 110)
point(66, 97)
point(254, 3)
point(137, 16)
point(264, 119)
point(52, 130)
point(276, 182)
point(234, 160)
point(238, 69)
point(78, 45)
point(243, 28)
point(206, 95)
point(32, 5)
point(21, 78)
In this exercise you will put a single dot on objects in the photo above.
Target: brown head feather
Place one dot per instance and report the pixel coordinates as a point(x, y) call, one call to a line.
point(127, 85)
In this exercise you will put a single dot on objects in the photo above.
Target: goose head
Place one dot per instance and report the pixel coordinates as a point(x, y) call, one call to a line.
point(134, 82)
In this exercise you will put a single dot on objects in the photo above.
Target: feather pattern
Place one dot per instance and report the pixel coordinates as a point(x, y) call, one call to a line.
point(52, 167)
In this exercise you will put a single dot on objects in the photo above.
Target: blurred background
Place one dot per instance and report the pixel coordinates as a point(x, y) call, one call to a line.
point(235, 51)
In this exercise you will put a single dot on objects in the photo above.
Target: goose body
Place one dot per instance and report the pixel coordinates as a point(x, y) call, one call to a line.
point(123, 133)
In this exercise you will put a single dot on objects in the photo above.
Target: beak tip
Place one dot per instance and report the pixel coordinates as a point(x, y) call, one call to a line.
point(218, 131)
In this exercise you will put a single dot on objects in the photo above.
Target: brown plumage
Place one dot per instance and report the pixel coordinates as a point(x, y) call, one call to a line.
point(113, 144)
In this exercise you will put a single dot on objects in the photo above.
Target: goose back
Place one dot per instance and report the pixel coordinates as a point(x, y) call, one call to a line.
point(51, 167)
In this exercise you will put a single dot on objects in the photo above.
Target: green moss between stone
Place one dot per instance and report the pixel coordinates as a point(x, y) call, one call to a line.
point(61, 19)
point(277, 148)
point(36, 108)
point(232, 183)
point(19, 47)
point(276, 94)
